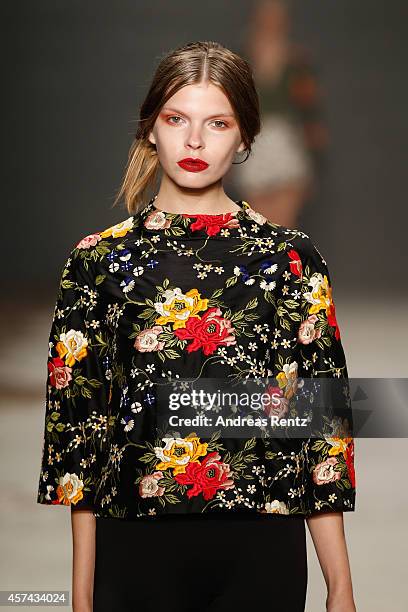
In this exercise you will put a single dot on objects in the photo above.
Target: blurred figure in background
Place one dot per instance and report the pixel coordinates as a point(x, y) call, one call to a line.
point(282, 172)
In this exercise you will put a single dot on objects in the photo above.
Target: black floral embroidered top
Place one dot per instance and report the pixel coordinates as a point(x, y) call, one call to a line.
point(163, 296)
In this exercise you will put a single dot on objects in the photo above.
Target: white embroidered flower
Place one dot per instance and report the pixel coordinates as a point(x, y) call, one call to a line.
point(277, 507)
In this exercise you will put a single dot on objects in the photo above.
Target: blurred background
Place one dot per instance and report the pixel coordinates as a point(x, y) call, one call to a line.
point(331, 160)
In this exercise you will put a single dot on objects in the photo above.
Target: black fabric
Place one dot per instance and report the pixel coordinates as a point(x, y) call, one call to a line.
point(160, 299)
point(195, 564)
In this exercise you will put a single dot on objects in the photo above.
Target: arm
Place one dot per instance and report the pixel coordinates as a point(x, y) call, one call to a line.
point(327, 532)
point(78, 390)
point(329, 451)
point(83, 559)
point(77, 412)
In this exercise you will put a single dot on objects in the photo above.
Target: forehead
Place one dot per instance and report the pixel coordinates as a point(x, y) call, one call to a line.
point(200, 99)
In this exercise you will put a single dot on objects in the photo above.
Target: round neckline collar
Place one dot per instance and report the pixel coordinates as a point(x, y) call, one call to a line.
point(188, 225)
point(241, 203)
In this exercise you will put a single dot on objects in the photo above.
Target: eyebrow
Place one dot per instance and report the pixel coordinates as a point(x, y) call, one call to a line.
point(174, 110)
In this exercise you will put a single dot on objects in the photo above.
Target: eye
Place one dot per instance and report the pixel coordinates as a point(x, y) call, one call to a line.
point(174, 117)
point(220, 121)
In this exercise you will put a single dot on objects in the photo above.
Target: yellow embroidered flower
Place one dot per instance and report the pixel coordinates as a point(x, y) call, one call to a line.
point(72, 346)
point(118, 230)
point(178, 307)
point(69, 489)
point(338, 445)
point(288, 379)
point(178, 452)
point(320, 296)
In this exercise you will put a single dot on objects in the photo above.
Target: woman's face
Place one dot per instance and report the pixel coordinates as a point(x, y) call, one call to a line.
point(197, 122)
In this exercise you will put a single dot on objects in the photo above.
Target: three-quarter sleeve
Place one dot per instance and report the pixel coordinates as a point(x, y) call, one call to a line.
point(329, 475)
point(77, 389)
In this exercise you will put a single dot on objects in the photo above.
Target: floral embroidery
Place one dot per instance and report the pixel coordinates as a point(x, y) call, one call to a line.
point(276, 507)
point(207, 477)
point(59, 374)
point(161, 298)
point(89, 241)
point(147, 340)
point(295, 263)
point(320, 298)
point(178, 307)
point(209, 332)
point(149, 487)
point(178, 452)
point(324, 472)
point(72, 346)
point(213, 223)
point(118, 230)
point(69, 490)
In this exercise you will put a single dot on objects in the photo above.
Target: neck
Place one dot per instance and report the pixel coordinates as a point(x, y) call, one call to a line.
point(211, 200)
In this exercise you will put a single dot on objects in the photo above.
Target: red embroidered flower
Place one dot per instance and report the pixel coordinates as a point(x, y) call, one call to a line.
point(332, 321)
point(206, 477)
point(349, 457)
point(209, 332)
point(59, 373)
point(278, 404)
point(295, 263)
point(213, 223)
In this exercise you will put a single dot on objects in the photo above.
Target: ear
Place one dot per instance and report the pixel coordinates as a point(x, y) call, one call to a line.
point(151, 138)
point(241, 147)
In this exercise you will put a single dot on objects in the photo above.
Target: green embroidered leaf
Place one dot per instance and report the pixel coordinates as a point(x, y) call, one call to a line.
point(172, 499)
point(251, 443)
point(148, 457)
point(217, 293)
point(291, 304)
point(270, 455)
point(295, 316)
point(319, 445)
point(232, 280)
point(86, 392)
point(94, 382)
point(147, 313)
point(171, 354)
point(252, 304)
point(67, 284)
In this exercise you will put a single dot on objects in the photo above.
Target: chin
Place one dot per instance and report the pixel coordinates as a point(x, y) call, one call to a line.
point(192, 181)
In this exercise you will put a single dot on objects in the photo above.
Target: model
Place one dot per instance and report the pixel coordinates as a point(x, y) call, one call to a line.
point(193, 287)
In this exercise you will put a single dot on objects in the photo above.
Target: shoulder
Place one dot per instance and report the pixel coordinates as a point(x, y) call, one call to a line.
point(83, 258)
point(96, 245)
point(288, 238)
point(294, 241)
point(310, 257)
point(106, 235)
point(301, 248)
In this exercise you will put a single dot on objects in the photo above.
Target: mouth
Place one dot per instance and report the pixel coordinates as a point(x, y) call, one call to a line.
point(192, 164)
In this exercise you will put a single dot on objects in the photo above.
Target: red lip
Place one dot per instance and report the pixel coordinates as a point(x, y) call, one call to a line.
point(192, 164)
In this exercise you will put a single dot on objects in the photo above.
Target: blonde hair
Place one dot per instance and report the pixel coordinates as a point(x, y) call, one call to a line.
point(191, 64)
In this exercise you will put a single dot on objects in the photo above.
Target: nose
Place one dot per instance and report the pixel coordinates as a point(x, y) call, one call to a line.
point(194, 138)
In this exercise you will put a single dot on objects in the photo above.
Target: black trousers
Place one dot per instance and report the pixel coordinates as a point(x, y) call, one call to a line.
point(201, 563)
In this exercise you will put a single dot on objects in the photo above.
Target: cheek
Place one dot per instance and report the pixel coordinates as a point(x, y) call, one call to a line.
point(224, 149)
point(225, 142)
